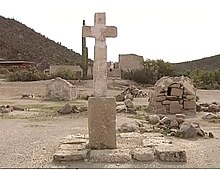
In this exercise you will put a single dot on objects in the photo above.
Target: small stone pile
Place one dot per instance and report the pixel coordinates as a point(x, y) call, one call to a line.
point(173, 95)
point(8, 108)
point(208, 107)
point(127, 107)
point(130, 93)
point(177, 126)
point(67, 109)
point(212, 117)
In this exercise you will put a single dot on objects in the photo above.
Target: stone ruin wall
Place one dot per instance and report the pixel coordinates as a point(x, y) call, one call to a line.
point(173, 95)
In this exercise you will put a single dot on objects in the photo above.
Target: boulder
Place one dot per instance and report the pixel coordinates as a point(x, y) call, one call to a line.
point(128, 127)
point(120, 108)
point(174, 124)
point(128, 103)
point(187, 130)
point(120, 97)
point(128, 96)
point(209, 116)
point(213, 108)
point(66, 109)
point(154, 119)
point(165, 120)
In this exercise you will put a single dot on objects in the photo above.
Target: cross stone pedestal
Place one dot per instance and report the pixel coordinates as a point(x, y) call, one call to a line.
point(102, 122)
point(102, 110)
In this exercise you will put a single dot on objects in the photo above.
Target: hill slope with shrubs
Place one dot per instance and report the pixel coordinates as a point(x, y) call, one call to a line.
point(18, 42)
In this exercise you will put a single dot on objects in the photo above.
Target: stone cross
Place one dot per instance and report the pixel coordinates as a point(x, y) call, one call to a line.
point(100, 32)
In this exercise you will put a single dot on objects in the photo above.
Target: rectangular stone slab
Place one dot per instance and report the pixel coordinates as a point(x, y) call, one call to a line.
point(69, 155)
point(110, 156)
point(102, 122)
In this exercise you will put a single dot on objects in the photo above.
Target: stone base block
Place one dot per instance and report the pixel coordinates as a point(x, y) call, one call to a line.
point(143, 154)
point(102, 123)
point(110, 156)
point(69, 155)
point(170, 153)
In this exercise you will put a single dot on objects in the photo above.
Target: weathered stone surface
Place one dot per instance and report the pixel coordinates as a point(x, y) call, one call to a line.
point(165, 120)
point(110, 156)
point(73, 141)
point(170, 153)
point(187, 130)
point(66, 109)
point(175, 107)
point(174, 124)
point(180, 116)
point(176, 85)
point(128, 103)
point(130, 135)
point(154, 119)
point(128, 127)
point(160, 98)
point(143, 154)
point(60, 89)
point(191, 97)
point(214, 108)
point(176, 92)
point(77, 147)
point(120, 97)
point(102, 122)
point(70, 155)
point(209, 116)
point(120, 108)
point(154, 141)
point(189, 105)
point(166, 102)
point(172, 98)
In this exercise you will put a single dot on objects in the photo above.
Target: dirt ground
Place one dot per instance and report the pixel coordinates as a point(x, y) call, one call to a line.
point(28, 139)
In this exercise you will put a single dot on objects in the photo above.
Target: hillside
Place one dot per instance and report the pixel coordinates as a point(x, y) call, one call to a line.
point(207, 64)
point(18, 42)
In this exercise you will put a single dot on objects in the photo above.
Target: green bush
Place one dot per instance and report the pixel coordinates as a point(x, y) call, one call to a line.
point(26, 75)
point(65, 73)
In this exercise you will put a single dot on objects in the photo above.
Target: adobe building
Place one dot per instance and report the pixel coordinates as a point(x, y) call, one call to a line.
point(173, 95)
point(129, 62)
point(113, 70)
point(12, 66)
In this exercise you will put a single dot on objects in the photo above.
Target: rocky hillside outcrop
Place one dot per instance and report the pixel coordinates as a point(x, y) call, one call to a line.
point(18, 42)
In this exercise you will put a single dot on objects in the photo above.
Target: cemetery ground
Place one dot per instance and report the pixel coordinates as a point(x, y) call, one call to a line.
point(29, 138)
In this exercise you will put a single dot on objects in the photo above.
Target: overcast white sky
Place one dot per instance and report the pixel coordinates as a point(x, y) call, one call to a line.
point(172, 30)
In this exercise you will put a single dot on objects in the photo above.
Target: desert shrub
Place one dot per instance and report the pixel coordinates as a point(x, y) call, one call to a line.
point(26, 75)
point(65, 73)
point(152, 71)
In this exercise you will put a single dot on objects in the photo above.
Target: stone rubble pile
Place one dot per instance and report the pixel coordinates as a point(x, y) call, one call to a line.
point(130, 93)
point(208, 107)
point(67, 109)
point(127, 106)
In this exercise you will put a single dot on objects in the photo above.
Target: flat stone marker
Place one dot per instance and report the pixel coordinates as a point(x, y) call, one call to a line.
point(102, 110)
point(143, 154)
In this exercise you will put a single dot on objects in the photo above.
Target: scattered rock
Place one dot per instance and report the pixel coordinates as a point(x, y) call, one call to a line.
point(120, 108)
point(66, 109)
point(209, 116)
point(165, 120)
point(129, 127)
point(174, 124)
point(211, 135)
point(187, 130)
point(180, 116)
point(154, 119)
point(128, 103)
point(18, 108)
